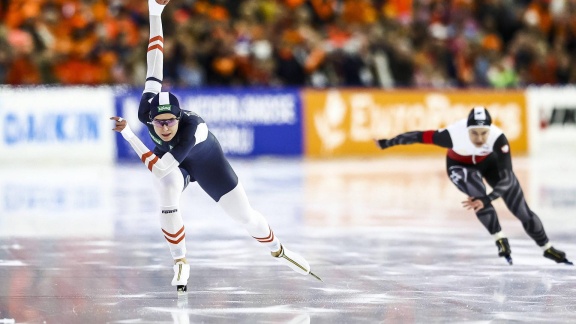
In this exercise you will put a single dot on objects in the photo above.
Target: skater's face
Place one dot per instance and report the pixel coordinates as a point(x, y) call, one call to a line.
point(166, 126)
point(479, 136)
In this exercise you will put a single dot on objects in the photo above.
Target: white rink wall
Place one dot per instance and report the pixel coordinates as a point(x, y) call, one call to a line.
point(552, 122)
point(56, 125)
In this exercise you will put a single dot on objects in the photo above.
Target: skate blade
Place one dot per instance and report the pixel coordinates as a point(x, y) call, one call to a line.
point(315, 276)
point(509, 259)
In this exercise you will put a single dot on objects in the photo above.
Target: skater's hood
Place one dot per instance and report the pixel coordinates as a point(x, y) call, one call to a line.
point(479, 117)
point(164, 102)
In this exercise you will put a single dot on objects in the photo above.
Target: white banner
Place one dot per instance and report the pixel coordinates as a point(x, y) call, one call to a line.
point(553, 119)
point(56, 125)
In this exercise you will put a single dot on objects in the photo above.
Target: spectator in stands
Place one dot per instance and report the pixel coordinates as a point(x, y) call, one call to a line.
point(319, 43)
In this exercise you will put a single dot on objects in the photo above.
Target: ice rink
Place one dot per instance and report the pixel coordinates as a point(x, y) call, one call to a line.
point(388, 235)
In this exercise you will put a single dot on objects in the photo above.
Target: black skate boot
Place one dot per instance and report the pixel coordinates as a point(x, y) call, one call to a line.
point(556, 255)
point(504, 249)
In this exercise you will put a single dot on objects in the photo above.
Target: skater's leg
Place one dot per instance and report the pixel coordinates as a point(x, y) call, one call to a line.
point(169, 191)
point(236, 205)
point(514, 200)
point(469, 181)
point(516, 203)
point(217, 178)
point(170, 188)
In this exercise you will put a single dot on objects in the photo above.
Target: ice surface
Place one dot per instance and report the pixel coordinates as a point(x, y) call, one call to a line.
point(388, 236)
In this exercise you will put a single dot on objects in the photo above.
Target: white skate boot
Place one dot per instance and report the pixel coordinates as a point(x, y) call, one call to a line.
point(293, 260)
point(181, 275)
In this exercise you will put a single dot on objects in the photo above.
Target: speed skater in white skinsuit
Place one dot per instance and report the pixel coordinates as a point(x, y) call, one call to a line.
point(186, 151)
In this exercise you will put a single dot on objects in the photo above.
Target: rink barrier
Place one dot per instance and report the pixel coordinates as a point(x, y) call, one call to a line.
point(552, 120)
point(247, 122)
point(70, 124)
point(345, 122)
point(56, 125)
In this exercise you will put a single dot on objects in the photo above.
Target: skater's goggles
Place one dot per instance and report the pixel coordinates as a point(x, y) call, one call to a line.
point(165, 122)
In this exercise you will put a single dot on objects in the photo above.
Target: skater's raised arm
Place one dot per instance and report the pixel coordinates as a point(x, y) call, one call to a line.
point(154, 60)
point(440, 138)
point(160, 167)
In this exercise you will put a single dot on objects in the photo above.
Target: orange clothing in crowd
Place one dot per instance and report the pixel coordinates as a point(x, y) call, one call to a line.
point(359, 11)
point(93, 41)
point(325, 9)
point(398, 9)
point(538, 11)
point(19, 10)
point(77, 71)
point(23, 72)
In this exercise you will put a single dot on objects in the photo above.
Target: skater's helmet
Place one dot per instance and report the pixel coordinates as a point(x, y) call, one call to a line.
point(165, 103)
point(479, 117)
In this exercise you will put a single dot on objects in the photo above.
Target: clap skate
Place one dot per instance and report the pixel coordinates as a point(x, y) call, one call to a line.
point(293, 260)
point(556, 255)
point(504, 249)
point(181, 274)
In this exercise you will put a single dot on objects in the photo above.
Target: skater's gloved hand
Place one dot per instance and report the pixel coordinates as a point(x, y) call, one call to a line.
point(122, 127)
point(383, 143)
point(155, 7)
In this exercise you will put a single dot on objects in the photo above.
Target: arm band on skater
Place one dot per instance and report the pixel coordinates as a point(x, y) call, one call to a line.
point(427, 137)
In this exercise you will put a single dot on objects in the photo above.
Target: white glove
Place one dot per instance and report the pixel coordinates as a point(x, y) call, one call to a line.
point(127, 133)
point(154, 8)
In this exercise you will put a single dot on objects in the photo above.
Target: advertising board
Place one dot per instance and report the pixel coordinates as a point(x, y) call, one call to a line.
point(247, 122)
point(346, 122)
point(60, 125)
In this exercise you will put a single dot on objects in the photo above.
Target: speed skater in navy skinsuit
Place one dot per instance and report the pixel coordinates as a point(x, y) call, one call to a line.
point(186, 151)
point(479, 150)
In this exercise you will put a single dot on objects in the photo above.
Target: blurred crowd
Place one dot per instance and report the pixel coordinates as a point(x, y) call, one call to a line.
point(315, 43)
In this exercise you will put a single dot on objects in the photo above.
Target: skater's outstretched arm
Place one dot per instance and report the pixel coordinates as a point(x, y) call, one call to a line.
point(160, 167)
point(439, 138)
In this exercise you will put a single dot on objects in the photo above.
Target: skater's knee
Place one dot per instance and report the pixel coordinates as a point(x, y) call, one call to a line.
point(487, 207)
point(486, 211)
point(173, 179)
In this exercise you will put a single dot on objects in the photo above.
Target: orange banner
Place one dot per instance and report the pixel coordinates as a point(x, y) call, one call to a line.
point(346, 122)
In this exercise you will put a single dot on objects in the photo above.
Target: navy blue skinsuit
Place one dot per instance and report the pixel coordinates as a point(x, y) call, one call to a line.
point(204, 163)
